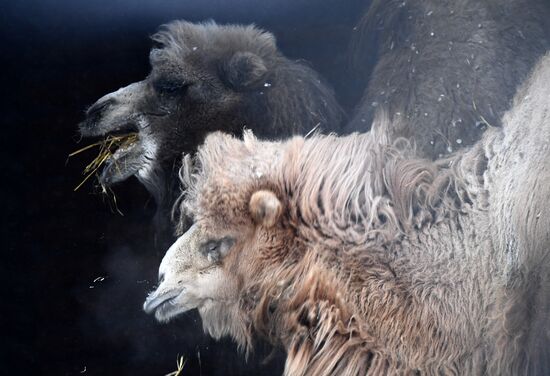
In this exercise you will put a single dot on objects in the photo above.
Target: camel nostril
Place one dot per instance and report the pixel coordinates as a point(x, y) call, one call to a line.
point(161, 278)
point(99, 106)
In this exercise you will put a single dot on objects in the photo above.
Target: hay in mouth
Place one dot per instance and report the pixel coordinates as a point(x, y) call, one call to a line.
point(107, 147)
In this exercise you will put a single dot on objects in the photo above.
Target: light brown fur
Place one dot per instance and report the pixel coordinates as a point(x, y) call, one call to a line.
point(380, 263)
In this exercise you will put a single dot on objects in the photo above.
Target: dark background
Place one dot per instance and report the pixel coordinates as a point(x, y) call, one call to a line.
point(57, 58)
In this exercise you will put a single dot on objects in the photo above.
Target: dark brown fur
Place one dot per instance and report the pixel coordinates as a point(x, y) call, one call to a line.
point(445, 69)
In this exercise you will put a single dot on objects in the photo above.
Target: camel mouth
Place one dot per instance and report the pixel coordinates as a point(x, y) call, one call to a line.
point(124, 150)
point(163, 306)
point(120, 155)
point(126, 157)
point(125, 160)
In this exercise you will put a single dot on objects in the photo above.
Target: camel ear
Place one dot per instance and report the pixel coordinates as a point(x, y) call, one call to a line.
point(243, 71)
point(265, 208)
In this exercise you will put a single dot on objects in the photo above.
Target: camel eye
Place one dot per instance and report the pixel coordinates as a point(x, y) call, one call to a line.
point(211, 247)
point(211, 250)
point(216, 250)
point(170, 87)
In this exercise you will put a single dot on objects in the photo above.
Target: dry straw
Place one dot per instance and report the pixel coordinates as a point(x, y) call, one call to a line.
point(180, 363)
point(107, 147)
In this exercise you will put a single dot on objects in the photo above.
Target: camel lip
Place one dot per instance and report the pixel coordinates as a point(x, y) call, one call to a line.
point(160, 303)
point(125, 162)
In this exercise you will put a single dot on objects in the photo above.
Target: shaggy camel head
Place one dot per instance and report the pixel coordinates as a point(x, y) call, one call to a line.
point(206, 77)
point(189, 274)
point(245, 228)
point(229, 225)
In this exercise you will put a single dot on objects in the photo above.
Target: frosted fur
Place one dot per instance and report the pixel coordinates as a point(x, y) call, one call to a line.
point(382, 263)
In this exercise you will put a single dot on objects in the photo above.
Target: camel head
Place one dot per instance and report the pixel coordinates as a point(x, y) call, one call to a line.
point(236, 217)
point(200, 74)
point(205, 77)
point(205, 267)
point(191, 276)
